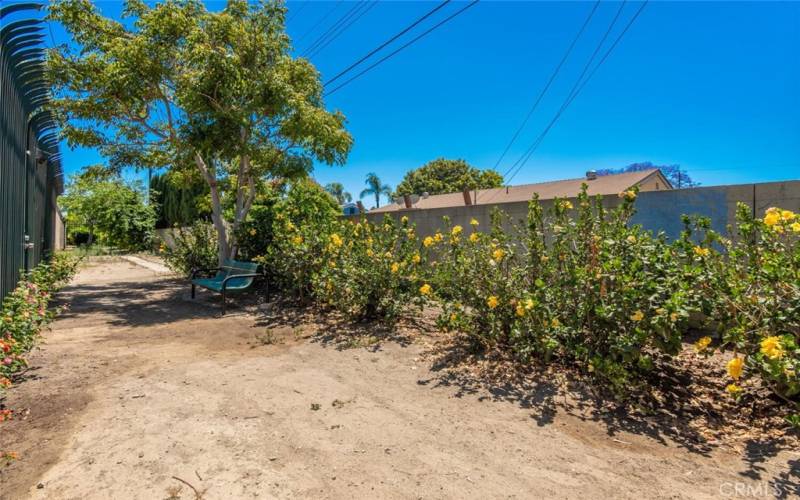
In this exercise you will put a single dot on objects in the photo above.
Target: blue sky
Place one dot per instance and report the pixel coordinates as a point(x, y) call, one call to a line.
point(711, 86)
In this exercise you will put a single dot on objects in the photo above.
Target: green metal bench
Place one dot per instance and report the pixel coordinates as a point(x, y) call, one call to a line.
point(233, 277)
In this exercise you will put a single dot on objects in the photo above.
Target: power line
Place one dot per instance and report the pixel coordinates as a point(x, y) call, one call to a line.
point(412, 41)
point(574, 94)
point(547, 85)
point(580, 77)
point(296, 13)
point(325, 34)
point(367, 7)
point(387, 42)
point(318, 23)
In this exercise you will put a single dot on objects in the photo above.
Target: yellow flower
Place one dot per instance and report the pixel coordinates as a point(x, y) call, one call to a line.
point(438, 237)
point(473, 237)
point(555, 323)
point(702, 344)
point(520, 310)
point(565, 205)
point(772, 218)
point(404, 219)
point(425, 289)
point(733, 389)
point(297, 240)
point(771, 347)
point(453, 317)
point(673, 317)
point(631, 239)
point(428, 241)
point(628, 195)
point(370, 253)
point(498, 254)
point(701, 252)
point(252, 232)
point(336, 240)
point(416, 259)
point(796, 227)
point(787, 215)
point(637, 316)
point(456, 230)
point(544, 258)
point(388, 255)
point(492, 302)
point(474, 222)
point(528, 304)
point(735, 368)
point(395, 267)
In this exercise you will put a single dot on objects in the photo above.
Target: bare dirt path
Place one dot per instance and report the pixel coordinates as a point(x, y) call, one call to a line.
point(139, 392)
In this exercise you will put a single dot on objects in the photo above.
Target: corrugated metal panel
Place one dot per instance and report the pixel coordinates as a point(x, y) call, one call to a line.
point(30, 164)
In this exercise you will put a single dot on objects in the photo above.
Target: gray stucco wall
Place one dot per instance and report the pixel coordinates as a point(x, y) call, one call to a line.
point(656, 210)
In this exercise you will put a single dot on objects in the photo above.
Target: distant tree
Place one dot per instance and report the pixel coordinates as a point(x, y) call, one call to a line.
point(113, 212)
point(336, 189)
point(375, 188)
point(677, 176)
point(447, 176)
point(179, 201)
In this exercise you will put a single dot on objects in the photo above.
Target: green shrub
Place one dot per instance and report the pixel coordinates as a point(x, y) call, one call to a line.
point(303, 221)
point(753, 299)
point(580, 284)
point(194, 247)
point(24, 312)
point(372, 271)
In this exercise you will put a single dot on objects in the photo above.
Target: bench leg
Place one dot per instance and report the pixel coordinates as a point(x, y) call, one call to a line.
point(223, 302)
point(192, 291)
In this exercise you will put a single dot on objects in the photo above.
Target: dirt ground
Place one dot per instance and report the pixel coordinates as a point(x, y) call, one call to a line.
point(140, 392)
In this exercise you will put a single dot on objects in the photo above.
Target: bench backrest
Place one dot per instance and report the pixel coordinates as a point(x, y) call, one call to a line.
point(233, 267)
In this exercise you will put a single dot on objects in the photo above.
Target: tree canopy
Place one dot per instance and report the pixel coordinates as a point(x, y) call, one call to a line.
point(375, 187)
point(184, 88)
point(676, 175)
point(108, 210)
point(336, 189)
point(447, 176)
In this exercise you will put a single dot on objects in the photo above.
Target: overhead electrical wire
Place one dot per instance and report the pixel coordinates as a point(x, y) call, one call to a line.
point(364, 7)
point(578, 80)
point(402, 47)
point(575, 93)
point(319, 22)
point(550, 80)
point(333, 27)
point(387, 42)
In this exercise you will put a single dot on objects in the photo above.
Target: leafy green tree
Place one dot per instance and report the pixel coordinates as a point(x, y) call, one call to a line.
point(447, 176)
point(336, 189)
point(376, 188)
point(179, 201)
point(183, 88)
point(112, 211)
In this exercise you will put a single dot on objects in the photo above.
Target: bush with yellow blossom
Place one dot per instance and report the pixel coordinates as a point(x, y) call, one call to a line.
point(374, 271)
point(751, 293)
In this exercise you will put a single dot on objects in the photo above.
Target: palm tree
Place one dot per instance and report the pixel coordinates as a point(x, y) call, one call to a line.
point(375, 188)
point(337, 191)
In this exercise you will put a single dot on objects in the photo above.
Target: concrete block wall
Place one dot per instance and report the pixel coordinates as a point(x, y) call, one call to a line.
point(656, 210)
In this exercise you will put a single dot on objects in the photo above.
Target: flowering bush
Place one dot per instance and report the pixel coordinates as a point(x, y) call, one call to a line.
point(580, 285)
point(372, 271)
point(24, 312)
point(754, 300)
point(302, 223)
point(195, 247)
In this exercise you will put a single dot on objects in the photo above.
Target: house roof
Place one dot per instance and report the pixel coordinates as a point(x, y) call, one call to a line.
point(568, 188)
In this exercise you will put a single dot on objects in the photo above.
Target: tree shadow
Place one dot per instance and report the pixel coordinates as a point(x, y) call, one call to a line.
point(150, 303)
point(330, 328)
